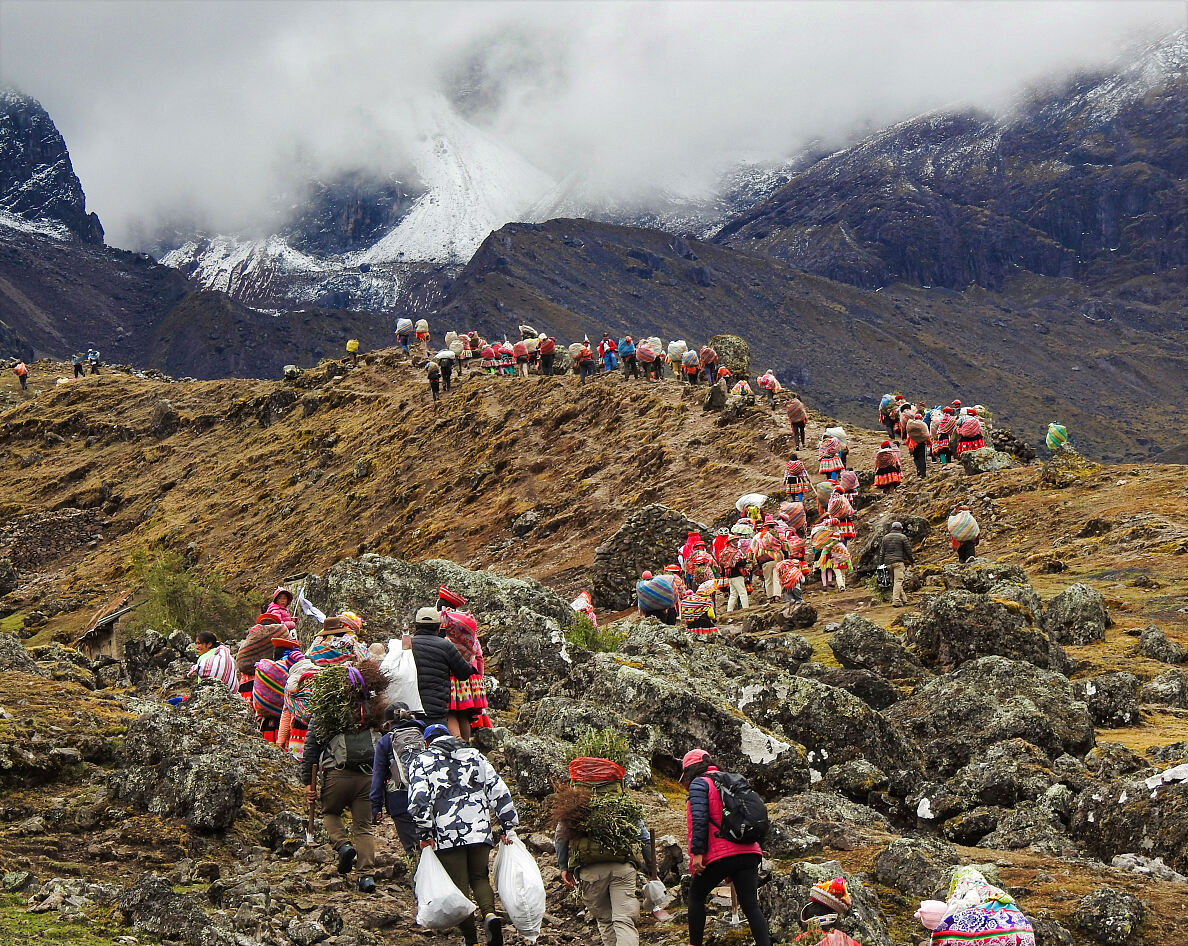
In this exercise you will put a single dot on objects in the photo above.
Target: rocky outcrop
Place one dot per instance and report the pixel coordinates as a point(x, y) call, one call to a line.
point(198, 761)
point(985, 460)
point(957, 626)
point(1109, 916)
point(1154, 643)
point(734, 353)
point(1136, 816)
point(782, 897)
point(866, 554)
point(1112, 698)
point(1066, 467)
point(1077, 616)
point(954, 718)
point(644, 542)
point(869, 687)
point(860, 644)
point(155, 661)
point(151, 906)
point(521, 621)
point(1170, 688)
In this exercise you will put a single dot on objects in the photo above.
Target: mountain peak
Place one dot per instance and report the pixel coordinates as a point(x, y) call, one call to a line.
point(37, 179)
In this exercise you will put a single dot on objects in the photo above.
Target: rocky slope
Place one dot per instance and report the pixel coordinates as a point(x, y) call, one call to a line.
point(1029, 352)
point(1022, 714)
point(1086, 182)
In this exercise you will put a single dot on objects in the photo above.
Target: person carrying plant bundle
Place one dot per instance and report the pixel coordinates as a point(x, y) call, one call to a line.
point(344, 718)
point(601, 841)
point(452, 791)
point(394, 752)
point(722, 847)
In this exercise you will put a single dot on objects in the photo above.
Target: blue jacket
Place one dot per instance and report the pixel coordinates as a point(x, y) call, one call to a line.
point(626, 348)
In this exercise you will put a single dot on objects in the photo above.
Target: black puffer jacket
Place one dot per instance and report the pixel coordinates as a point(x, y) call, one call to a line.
point(895, 549)
point(437, 659)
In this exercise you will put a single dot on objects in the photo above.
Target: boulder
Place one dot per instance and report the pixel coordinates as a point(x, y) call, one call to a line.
point(164, 420)
point(197, 761)
point(15, 659)
point(9, 579)
point(1065, 468)
point(1112, 698)
point(1128, 815)
point(860, 644)
point(797, 616)
point(1035, 825)
point(866, 554)
point(648, 540)
point(1154, 643)
point(1005, 774)
point(152, 906)
point(1004, 439)
point(1048, 932)
point(1170, 688)
point(1077, 616)
point(1023, 595)
point(955, 718)
point(971, 826)
point(919, 867)
point(869, 687)
point(856, 779)
point(983, 576)
point(153, 661)
point(734, 353)
point(715, 398)
point(985, 460)
point(956, 626)
point(783, 896)
point(521, 620)
point(1109, 916)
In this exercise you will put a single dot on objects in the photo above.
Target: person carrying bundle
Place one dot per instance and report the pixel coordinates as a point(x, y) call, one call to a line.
point(214, 661)
point(964, 532)
point(829, 464)
point(888, 414)
point(1056, 437)
point(691, 366)
point(656, 597)
point(627, 352)
point(648, 358)
point(794, 515)
point(734, 569)
point(771, 387)
point(887, 470)
point(547, 349)
point(520, 354)
point(708, 359)
point(404, 329)
point(585, 362)
point(969, 429)
point(840, 509)
point(919, 439)
point(796, 480)
point(797, 418)
point(601, 844)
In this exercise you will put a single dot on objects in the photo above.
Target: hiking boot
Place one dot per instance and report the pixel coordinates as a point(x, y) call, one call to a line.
point(366, 885)
point(494, 927)
point(346, 858)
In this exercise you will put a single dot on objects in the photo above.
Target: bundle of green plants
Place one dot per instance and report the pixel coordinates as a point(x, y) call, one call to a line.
point(605, 743)
point(601, 640)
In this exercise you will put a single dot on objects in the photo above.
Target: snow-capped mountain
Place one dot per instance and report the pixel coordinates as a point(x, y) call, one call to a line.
point(468, 184)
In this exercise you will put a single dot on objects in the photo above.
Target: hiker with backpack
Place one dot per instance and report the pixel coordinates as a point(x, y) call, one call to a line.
point(394, 752)
point(601, 845)
point(453, 791)
point(340, 748)
point(895, 551)
point(726, 822)
point(548, 354)
point(797, 418)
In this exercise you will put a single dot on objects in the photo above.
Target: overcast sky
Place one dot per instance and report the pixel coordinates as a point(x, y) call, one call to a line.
point(204, 109)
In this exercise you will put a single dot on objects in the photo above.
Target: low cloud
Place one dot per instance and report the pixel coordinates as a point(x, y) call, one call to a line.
point(201, 113)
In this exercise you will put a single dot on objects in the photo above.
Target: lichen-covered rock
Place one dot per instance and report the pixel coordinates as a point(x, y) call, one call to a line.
point(985, 460)
point(1023, 595)
point(1170, 688)
point(1004, 774)
point(1128, 815)
point(1066, 467)
point(954, 718)
point(798, 616)
point(957, 626)
point(1109, 916)
point(648, 540)
point(521, 621)
point(154, 661)
point(971, 826)
point(856, 779)
point(1154, 643)
point(196, 761)
point(983, 576)
point(152, 906)
point(869, 687)
point(15, 659)
point(1112, 698)
point(1077, 616)
point(920, 867)
point(1004, 439)
point(734, 353)
point(860, 644)
point(1036, 825)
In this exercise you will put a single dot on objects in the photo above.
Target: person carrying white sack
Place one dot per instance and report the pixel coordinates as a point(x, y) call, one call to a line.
point(453, 789)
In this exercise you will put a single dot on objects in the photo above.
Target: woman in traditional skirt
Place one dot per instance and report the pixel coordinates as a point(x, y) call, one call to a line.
point(841, 510)
point(969, 428)
point(887, 468)
point(944, 441)
point(829, 464)
point(489, 362)
point(697, 613)
point(796, 480)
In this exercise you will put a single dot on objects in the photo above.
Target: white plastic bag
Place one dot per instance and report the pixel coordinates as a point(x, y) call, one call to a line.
point(656, 895)
point(440, 904)
point(517, 878)
point(400, 670)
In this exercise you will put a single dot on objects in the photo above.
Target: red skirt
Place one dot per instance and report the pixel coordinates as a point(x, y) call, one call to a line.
point(846, 529)
point(966, 445)
point(469, 694)
point(888, 478)
point(830, 465)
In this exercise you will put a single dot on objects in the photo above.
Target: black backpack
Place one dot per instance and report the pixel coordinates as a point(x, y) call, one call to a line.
point(744, 813)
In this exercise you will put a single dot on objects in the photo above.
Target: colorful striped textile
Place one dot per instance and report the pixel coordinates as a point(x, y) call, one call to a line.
point(217, 664)
point(1057, 437)
point(838, 557)
point(843, 512)
point(963, 526)
point(793, 513)
point(656, 594)
point(268, 691)
point(697, 613)
point(789, 573)
point(848, 480)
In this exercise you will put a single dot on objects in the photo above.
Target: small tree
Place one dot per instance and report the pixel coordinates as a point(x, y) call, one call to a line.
point(583, 633)
point(178, 596)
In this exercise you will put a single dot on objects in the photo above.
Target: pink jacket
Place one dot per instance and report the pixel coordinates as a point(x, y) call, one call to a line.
point(279, 611)
point(703, 835)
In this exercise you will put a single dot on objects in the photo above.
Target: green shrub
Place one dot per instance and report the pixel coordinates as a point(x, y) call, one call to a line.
point(176, 595)
point(582, 633)
point(882, 594)
point(601, 744)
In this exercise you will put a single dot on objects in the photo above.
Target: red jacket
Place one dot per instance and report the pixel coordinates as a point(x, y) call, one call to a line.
point(702, 813)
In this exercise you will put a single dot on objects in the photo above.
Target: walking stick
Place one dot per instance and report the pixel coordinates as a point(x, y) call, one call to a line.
point(309, 826)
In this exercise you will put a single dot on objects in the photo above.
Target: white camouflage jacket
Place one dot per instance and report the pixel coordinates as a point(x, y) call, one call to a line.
point(452, 793)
